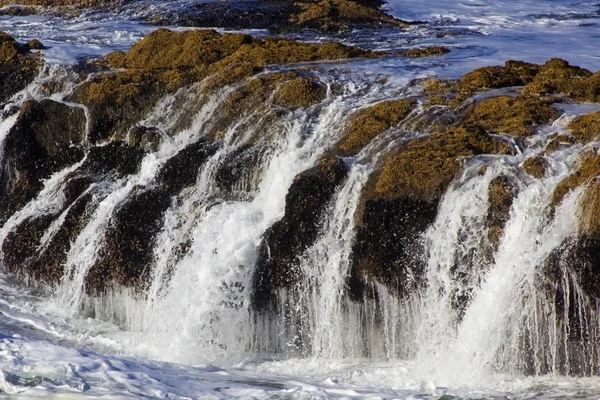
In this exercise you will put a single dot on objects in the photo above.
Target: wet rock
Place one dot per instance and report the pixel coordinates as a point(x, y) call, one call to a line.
point(516, 116)
point(47, 137)
point(113, 158)
point(536, 166)
point(17, 67)
point(587, 171)
point(34, 44)
point(513, 73)
point(20, 246)
point(284, 16)
point(424, 168)
point(586, 128)
point(557, 76)
point(559, 142)
point(240, 169)
point(401, 201)
point(300, 92)
point(48, 265)
point(288, 238)
point(64, 5)
point(16, 10)
point(164, 49)
point(501, 193)
point(145, 138)
point(339, 16)
point(116, 102)
point(432, 51)
point(181, 170)
point(126, 253)
point(366, 124)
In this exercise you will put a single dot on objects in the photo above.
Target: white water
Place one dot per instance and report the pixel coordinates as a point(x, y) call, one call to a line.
point(197, 309)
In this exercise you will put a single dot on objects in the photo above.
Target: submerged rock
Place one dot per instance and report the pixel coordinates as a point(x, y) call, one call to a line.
point(432, 51)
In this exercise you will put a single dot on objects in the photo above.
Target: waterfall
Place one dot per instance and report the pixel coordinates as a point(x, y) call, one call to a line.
point(486, 306)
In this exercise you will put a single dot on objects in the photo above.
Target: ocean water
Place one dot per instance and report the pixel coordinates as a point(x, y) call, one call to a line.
point(184, 342)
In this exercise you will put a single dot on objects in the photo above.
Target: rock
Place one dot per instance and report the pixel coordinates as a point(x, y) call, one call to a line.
point(47, 137)
point(536, 166)
point(164, 61)
point(516, 116)
point(20, 247)
point(300, 92)
point(181, 170)
point(64, 4)
point(424, 168)
point(558, 142)
point(366, 124)
point(164, 49)
point(288, 238)
point(126, 252)
point(330, 16)
point(556, 76)
point(17, 68)
point(339, 16)
point(587, 171)
point(401, 201)
point(115, 158)
point(240, 170)
point(432, 51)
point(16, 10)
point(116, 102)
point(513, 73)
point(34, 44)
point(501, 193)
point(586, 128)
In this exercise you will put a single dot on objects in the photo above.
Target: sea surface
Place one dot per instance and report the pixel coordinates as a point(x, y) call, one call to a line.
point(48, 350)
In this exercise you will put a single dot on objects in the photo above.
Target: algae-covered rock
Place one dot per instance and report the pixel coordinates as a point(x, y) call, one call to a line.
point(300, 92)
point(586, 128)
point(400, 202)
point(366, 124)
point(164, 61)
point(501, 193)
point(536, 166)
point(513, 73)
point(431, 51)
point(165, 49)
point(587, 171)
point(557, 76)
point(558, 142)
point(424, 168)
point(287, 239)
point(339, 15)
point(512, 115)
point(17, 67)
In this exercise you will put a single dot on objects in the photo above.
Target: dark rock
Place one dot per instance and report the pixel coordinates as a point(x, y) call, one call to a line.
point(288, 238)
point(126, 253)
point(181, 170)
point(47, 137)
